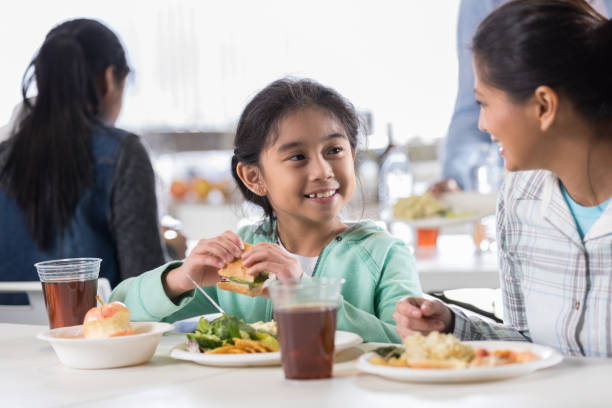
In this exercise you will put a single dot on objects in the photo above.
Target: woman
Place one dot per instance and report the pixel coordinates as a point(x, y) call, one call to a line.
point(464, 141)
point(71, 184)
point(543, 81)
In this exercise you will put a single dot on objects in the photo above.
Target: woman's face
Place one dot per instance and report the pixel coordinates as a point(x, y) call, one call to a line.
point(308, 171)
point(511, 125)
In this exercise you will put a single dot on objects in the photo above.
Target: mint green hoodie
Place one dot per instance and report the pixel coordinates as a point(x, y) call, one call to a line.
point(379, 270)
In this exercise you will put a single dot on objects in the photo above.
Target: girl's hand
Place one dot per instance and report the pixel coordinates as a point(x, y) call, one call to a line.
point(419, 315)
point(271, 258)
point(203, 263)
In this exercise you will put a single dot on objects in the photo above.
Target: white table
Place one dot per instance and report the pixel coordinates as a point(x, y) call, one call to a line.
point(34, 313)
point(32, 376)
point(455, 263)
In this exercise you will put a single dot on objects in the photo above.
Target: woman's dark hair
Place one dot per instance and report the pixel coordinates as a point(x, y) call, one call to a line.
point(50, 162)
point(563, 44)
point(259, 120)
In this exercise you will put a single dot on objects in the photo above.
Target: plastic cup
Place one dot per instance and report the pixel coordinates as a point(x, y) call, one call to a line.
point(427, 237)
point(69, 288)
point(306, 313)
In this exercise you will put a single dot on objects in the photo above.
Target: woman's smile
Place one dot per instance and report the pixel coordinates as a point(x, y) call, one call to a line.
point(500, 147)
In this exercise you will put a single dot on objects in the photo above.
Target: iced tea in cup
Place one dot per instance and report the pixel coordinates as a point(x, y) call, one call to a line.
point(306, 311)
point(69, 288)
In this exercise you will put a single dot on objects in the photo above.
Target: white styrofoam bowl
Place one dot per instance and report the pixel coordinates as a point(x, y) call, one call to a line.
point(75, 351)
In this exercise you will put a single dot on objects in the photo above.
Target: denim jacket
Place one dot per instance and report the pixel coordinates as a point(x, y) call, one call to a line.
point(87, 235)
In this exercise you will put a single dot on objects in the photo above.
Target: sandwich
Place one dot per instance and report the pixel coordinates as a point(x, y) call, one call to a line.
point(234, 277)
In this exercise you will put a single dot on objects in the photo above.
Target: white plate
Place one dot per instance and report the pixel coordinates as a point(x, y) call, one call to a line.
point(343, 341)
point(189, 325)
point(75, 351)
point(548, 357)
point(441, 222)
point(474, 205)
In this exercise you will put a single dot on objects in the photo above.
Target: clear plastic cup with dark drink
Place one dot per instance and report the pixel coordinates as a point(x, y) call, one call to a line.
point(306, 314)
point(69, 288)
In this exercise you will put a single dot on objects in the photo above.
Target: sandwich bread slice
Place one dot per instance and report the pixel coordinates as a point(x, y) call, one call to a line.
point(234, 277)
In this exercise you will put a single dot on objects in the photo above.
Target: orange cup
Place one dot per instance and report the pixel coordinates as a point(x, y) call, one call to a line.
point(427, 237)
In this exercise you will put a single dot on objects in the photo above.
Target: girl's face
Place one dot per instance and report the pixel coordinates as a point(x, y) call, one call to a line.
point(510, 124)
point(308, 172)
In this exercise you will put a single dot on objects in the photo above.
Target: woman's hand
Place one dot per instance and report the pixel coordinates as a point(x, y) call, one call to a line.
point(444, 186)
point(271, 258)
point(419, 315)
point(203, 263)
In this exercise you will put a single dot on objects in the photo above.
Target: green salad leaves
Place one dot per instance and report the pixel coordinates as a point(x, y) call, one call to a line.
point(222, 331)
point(388, 352)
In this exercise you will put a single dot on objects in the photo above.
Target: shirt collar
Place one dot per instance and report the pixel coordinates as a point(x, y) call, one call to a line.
point(543, 185)
point(534, 186)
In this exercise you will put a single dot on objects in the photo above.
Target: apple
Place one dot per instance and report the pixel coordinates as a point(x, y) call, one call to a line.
point(109, 320)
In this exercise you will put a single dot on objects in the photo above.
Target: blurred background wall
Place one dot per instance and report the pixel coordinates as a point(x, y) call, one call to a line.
point(197, 62)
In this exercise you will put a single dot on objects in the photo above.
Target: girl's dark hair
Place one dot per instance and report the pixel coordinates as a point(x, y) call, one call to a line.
point(564, 44)
point(258, 122)
point(50, 162)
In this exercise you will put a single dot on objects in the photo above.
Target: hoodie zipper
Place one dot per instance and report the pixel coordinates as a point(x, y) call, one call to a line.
point(318, 260)
point(337, 238)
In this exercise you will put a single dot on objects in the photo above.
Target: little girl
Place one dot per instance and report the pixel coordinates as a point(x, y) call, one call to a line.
point(294, 157)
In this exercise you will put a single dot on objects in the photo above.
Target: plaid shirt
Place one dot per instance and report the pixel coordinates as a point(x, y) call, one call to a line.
point(557, 288)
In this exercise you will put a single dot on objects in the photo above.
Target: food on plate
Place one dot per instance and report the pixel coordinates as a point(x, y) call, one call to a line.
point(269, 327)
point(425, 206)
point(415, 207)
point(490, 358)
point(230, 335)
point(433, 351)
point(445, 351)
point(235, 278)
point(109, 320)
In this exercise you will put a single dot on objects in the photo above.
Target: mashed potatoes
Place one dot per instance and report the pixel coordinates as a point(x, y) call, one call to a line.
point(436, 346)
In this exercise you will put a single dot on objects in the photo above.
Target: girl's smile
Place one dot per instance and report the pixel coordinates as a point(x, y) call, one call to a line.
point(322, 196)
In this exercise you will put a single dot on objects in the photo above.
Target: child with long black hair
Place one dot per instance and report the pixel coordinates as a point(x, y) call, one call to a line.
point(294, 157)
point(71, 184)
